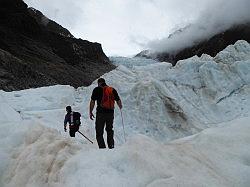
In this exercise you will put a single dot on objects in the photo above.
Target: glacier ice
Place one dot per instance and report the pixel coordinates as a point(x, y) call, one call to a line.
point(186, 125)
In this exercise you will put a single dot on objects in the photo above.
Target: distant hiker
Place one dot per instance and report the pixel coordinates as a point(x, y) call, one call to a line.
point(105, 97)
point(73, 118)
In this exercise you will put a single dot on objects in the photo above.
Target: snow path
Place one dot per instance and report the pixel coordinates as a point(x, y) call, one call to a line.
point(215, 157)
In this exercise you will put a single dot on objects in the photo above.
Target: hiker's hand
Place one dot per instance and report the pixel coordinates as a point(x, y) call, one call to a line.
point(91, 116)
point(65, 129)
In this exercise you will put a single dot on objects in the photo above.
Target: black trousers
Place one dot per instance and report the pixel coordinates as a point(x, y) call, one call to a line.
point(102, 120)
point(73, 129)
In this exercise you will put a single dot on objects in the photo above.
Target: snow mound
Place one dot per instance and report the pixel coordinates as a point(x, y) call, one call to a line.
point(220, 155)
point(7, 113)
point(45, 98)
point(42, 152)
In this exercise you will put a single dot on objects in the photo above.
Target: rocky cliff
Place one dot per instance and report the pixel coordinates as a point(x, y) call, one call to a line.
point(36, 51)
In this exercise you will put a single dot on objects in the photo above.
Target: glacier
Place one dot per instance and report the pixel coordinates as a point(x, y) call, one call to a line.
point(186, 125)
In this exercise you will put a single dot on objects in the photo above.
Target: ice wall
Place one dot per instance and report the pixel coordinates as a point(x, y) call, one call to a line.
point(166, 102)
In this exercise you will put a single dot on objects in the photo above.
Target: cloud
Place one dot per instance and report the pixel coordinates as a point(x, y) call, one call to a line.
point(127, 27)
point(218, 16)
point(120, 26)
point(64, 12)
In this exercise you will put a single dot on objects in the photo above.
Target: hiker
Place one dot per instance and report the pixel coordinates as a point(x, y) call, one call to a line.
point(73, 118)
point(105, 97)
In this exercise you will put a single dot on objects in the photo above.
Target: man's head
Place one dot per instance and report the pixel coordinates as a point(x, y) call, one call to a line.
point(68, 109)
point(101, 82)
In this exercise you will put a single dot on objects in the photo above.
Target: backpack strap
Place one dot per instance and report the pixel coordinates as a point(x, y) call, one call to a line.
point(71, 118)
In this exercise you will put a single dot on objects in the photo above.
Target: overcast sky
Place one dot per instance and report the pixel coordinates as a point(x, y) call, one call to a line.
point(125, 27)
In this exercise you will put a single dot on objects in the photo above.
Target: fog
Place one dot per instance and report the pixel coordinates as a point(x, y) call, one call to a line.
point(124, 28)
point(217, 17)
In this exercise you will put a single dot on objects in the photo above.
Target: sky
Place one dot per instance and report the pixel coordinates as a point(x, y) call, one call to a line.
point(124, 28)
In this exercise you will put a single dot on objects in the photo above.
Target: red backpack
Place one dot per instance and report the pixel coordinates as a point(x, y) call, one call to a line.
point(108, 98)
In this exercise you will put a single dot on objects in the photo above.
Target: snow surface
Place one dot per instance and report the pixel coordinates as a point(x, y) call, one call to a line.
point(204, 101)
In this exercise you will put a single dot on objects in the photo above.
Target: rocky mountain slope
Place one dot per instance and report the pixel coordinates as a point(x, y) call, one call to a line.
point(35, 51)
point(210, 46)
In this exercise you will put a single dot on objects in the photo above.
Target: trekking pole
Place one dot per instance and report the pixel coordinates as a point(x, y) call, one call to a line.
point(123, 126)
point(85, 137)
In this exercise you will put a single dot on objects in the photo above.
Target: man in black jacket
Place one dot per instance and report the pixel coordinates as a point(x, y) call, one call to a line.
point(104, 112)
point(73, 118)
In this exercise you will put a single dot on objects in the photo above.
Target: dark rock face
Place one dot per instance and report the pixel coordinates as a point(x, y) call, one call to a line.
point(48, 24)
point(36, 51)
point(211, 46)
